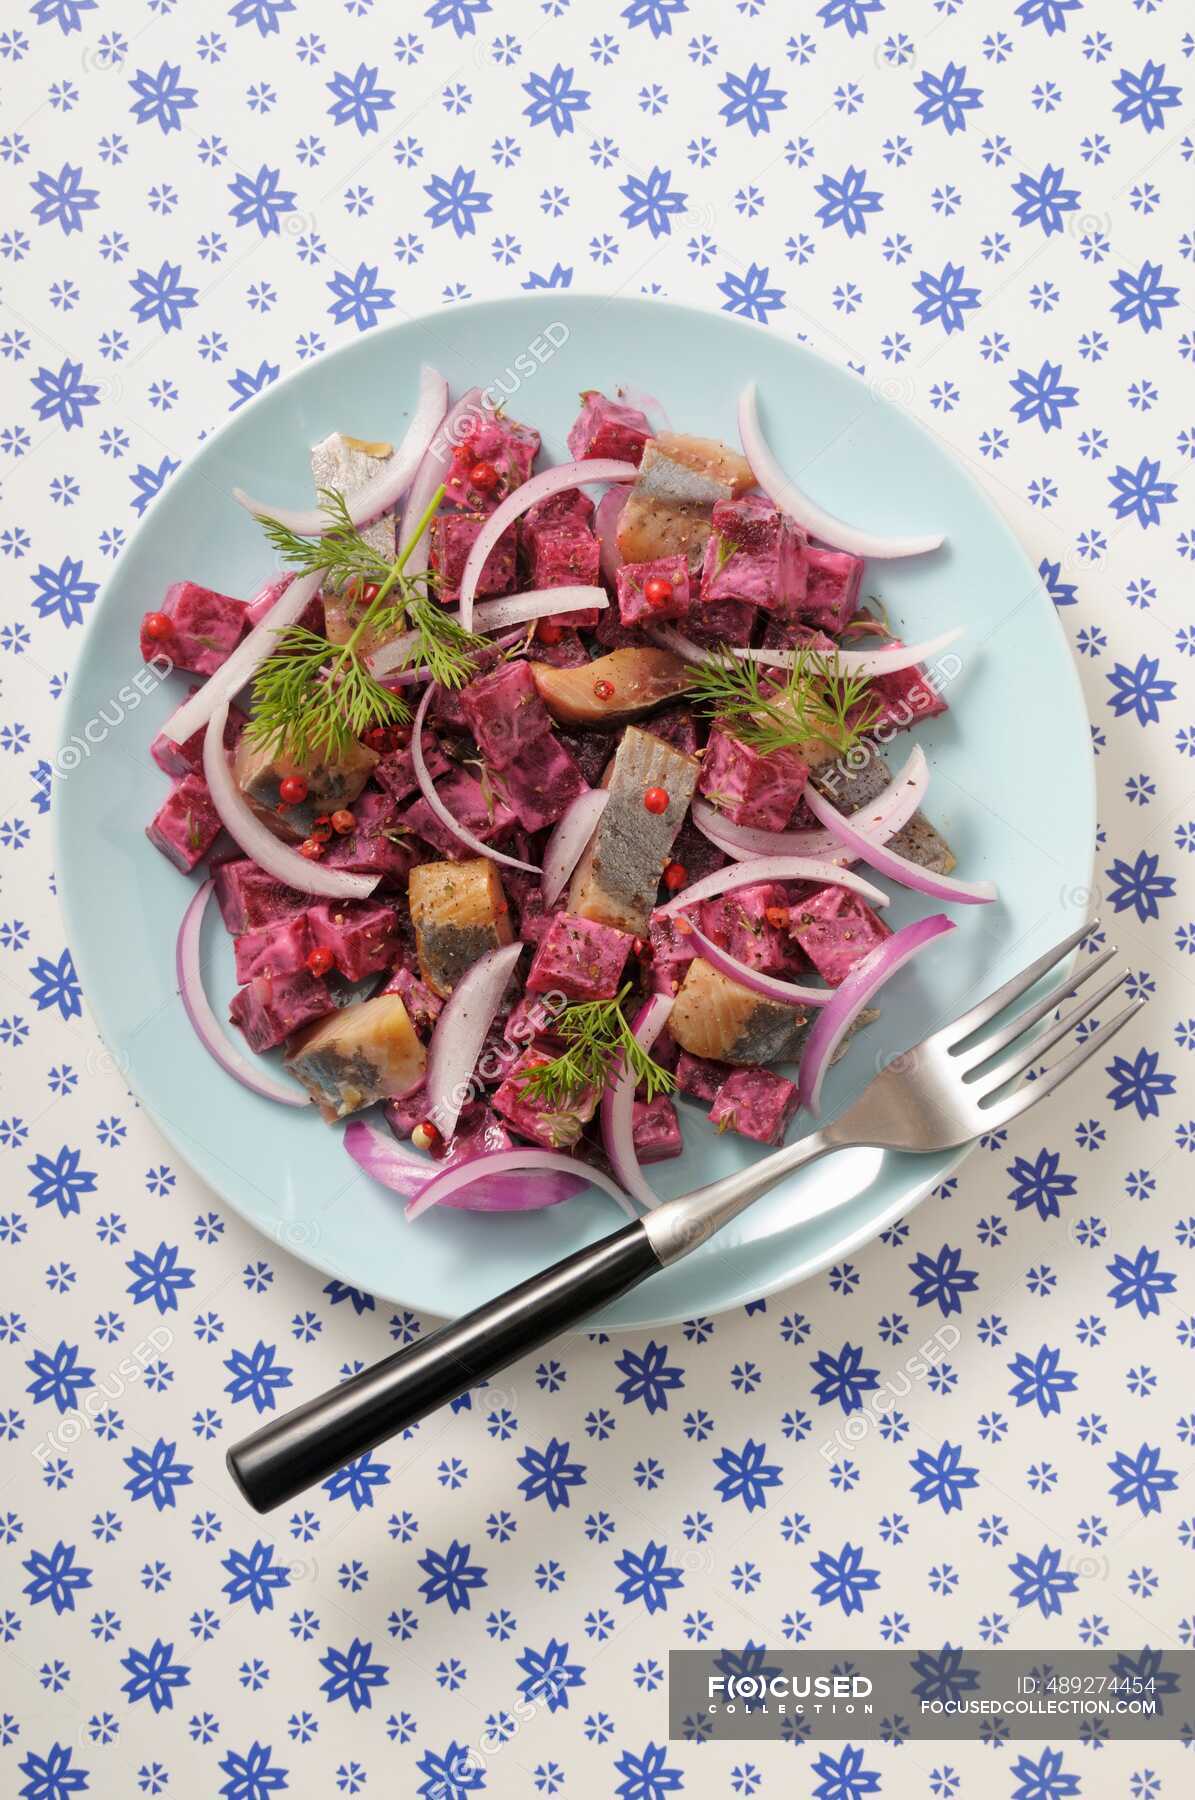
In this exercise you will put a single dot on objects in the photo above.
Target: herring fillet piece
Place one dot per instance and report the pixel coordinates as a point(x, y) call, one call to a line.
point(348, 464)
point(717, 1018)
point(680, 479)
point(849, 789)
point(618, 878)
point(459, 911)
point(641, 679)
point(360, 1054)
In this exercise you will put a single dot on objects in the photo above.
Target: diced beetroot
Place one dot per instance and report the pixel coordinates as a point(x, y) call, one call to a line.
point(570, 505)
point(541, 782)
point(567, 555)
point(725, 622)
point(608, 428)
point(484, 815)
point(205, 628)
point(757, 1103)
point(590, 750)
point(756, 553)
point(568, 652)
point(750, 786)
point(671, 953)
point(451, 539)
point(532, 916)
point(395, 771)
point(831, 588)
point(376, 845)
point(907, 696)
point(836, 930)
point(580, 958)
point(248, 897)
point(280, 949)
point(187, 758)
point(556, 1130)
point(634, 608)
point(270, 1007)
point(404, 1114)
point(505, 712)
point(510, 449)
point(696, 855)
point(423, 1005)
point(186, 825)
point(792, 634)
point(739, 922)
point(612, 634)
point(360, 934)
point(656, 1130)
point(700, 1076)
point(677, 727)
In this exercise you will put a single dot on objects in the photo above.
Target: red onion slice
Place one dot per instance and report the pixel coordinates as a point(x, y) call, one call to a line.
point(239, 668)
point(460, 1034)
point(819, 523)
point(880, 818)
point(605, 525)
point(427, 789)
point(835, 1020)
point(540, 487)
point(431, 473)
point(208, 1029)
point(388, 485)
point(888, 863)
point(494, 615)
point(405, 1172)
point(520, 1161)
point(769, 987)
point(618, 1106)
point(563, 850)
point(257, 840)
point(771, 868)
point(269, 591)
point(862, 664)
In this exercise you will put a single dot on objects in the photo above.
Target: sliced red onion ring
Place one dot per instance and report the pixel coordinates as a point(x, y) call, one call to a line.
point(257, 840)
point(427, 789)
point(864, 663)
point(540, 487)
point(605, 525)
point(262, 601)
point(460, 1034)
point(208, 1029)
point(520, 1161)
point(835, 1020)
point(887, 862)
point(819, 523)
point(563, 850)
point(880, 818)
point(618, 1106)
point(493, 615)
point(388, 485)
point(405, 1172)
point(237, 669)
point(770, 987)
point(771, 868)
point(430, 474)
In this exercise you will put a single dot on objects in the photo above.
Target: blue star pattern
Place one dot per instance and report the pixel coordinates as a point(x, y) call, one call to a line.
point(978, 1429)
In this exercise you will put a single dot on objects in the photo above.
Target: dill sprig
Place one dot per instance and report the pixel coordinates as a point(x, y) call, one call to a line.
point(313, 696)
point(814, 700)
point(600, 1044)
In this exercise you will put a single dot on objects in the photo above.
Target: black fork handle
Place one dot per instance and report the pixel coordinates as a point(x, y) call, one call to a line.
point(311, 1442)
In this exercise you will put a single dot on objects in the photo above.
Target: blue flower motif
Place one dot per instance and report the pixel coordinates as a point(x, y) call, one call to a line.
point(843, 1777)
point(252, 1776)
point(253, 1575)
point(648, 1776)
point(1139, 1084)
point(56, 1577)
point(1039, 1184)
point(357, 1480)
point(548, 1675)
point(1146, 96)
point(1051, 14)
point(60, 1181)
point(54, 1775)
point(1144, 297)
point(1043, 396)
point(745, 1475)
point(164, 296)
point(945, 298)
point(68, 16)
point(657, 14)
point(947, 98)
point(62, 198)
point(460, 14)
point(265, 15)
point(749, 99)
point(848, 201)
point(358, 100)
point(851, 13)
point(653, 202)
point(1141, 492)
point(257, 1375)
point(161, 99)
point(843, 1378)
point(1041, 1581)
point(156, 1474)
point(554, 100)
point(452, 1776)
point(57, 983)
point(557, 277)
point(159, 1277)
point(1039, 1380)
point(352, 1676)
point(260, 200)
point(1139, 886)
point(63, 394)
point(749, 295)
point(941, 1281)
point(844, 1580)
point(1044, 1778)
point(648, 1576)
point(1140, 1479)
point(154, 1676)
point(247, 382)
point(456, 200)
point(942, 1477)
point(148, 483)
point(550, 1474)
point(1139, 690)
point(1139, 1282)
point(1044, 200)
point(650, 1377)
point(451, 1576)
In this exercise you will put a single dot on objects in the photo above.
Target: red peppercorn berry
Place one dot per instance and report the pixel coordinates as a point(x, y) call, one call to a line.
point(657, 591)
point(319, 960)
point(656, 799)
point(343, 821)
point(484, 477)
point(321, 831)
point(292, 790)
point(776, 915)
point(604, 690)
point(157, 625)
point(675, 876)
point(311, 848)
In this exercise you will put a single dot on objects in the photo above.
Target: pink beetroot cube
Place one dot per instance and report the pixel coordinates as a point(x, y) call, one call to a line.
point(671, 953)
point(677, 727)
point(722, 622)
point(752, 924)
point(395, 771)
point(832, 579)
point(186, 825)
point(362, 935)
point(567, 555)
point(568, 652)
point(187, 758)
point(403, 1114)
point(580, 958)
point(756, 1103)
point(451, 539)
point(376, 845)
point(205, 628)
point(634, 608)
point(541, 782)
point(836, 930)
point(569, 506)
point(700, 1076)
point(755, 553)
point(505, 712)
point(556, 1129)
point(608, 428)
point(656, 1130)
point(280, 949)
point(478, 809)
point(508, 447)
point(422, 1004)
point(752, 787)
point(526, 895)
point(906, 697)
point(270, 1007)
point(248, 897)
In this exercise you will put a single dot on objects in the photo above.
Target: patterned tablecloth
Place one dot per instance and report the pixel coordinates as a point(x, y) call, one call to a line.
point(986, 210)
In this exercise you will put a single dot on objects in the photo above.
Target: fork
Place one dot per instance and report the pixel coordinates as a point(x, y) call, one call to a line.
point(951, 1088)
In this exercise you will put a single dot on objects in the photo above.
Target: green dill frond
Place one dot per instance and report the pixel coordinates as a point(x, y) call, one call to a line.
point(812, 700)
point(599, 1041)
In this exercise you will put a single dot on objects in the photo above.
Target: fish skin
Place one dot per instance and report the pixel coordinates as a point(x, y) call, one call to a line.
point(347, 464)
point(643, 679)
point(332, 782)
point(719, 1019)
point(459, 911)
point(668, 510)
point(362, 1053)
point(849, 789)
point(618, 878)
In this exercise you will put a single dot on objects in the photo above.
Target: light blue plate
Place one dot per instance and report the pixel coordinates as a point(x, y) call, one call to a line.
point(1012, 784)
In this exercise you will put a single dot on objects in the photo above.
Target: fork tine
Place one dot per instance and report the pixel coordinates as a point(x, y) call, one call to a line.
point(988, 1008)
point(1000, 1112)
point(1024, 1055)
point(988, 1047)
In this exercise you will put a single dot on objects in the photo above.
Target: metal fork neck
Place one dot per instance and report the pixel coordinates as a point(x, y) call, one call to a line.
point(681, 1225)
